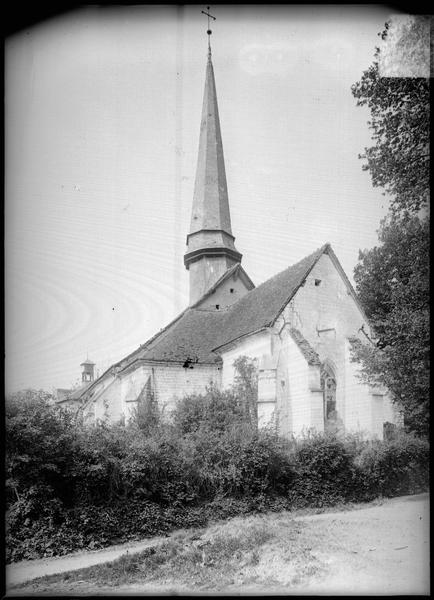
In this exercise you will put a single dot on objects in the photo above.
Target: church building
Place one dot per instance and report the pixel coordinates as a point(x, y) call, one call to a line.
point(297, 326)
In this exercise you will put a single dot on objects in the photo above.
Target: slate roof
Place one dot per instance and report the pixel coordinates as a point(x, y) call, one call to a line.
point(260, 307)
point(198, 334)
point(190, 336)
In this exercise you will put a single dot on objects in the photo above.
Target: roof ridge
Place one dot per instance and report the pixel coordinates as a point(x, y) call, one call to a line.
point(204, 332)
point(318, 251)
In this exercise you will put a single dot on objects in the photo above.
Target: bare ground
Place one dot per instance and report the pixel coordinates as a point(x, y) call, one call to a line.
point(380, 549)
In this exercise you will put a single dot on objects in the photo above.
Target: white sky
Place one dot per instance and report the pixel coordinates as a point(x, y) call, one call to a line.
point(103, 111)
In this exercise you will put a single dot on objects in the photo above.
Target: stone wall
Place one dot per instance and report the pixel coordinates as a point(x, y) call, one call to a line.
point(170, 381)
point(367, 408)
point(326, 313)
point(254, 346)
point(298, 378)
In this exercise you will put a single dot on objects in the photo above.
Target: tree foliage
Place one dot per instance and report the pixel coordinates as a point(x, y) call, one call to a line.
point(37, 436)
point(399, 159)
point(245, 387)
point(392, 279)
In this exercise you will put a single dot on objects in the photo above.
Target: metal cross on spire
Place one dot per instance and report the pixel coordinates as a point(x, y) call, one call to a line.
point(209, 32)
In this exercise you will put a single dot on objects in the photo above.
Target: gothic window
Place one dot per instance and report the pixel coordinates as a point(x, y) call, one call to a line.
point(328, 385)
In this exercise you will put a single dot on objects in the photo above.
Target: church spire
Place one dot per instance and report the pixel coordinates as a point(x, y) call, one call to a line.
point(210, 243)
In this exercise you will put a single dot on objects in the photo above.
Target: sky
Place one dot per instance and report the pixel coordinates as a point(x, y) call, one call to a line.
point(103, 108)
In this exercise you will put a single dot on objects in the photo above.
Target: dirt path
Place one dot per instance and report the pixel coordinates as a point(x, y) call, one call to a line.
point(30, 569)
point(380, 549)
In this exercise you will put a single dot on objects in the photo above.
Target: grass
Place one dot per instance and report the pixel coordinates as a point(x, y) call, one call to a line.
point(243, 551)
point(238, 552)
point(271, 553)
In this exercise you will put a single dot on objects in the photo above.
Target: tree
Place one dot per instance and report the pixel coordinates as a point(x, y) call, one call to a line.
point(245, 387)
point(39, 437)
point(146, 415)
point(392, 279)
point(399, 159)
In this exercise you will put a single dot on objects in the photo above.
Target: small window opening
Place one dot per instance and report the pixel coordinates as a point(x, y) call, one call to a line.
point(317, 282)
point(217, 306)
point(231, 290)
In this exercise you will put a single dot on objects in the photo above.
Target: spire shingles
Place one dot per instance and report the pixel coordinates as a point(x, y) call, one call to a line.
point(210, 200)
point(210, 243)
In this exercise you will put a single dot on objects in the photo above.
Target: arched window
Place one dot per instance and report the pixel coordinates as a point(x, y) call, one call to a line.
point(328, 385)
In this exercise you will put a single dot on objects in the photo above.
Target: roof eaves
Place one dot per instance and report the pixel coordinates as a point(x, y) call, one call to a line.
point(154, 337)
point(244, 335)
point(163, 361)
point(112, 368)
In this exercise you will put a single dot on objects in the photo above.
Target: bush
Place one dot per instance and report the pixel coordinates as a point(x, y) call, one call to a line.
point(72, 487)
point(324, 471)
point(156, 468)
point(247, 465)
point(399, 466)
point(214, 411)
point(97, 457)
point(39, 438)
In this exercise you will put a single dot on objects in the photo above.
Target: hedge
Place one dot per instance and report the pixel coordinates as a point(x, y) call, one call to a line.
point(71, 487)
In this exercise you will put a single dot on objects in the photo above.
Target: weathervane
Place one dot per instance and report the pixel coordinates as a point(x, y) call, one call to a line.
point(209, 32)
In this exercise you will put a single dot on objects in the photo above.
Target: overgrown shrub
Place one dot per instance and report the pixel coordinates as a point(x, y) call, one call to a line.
point(245, 465)
point(399, 466)
point(90, 527)
point(72, 487)
point(324, 471)
point(39, 438)
point(156, 468)
point(214, 411)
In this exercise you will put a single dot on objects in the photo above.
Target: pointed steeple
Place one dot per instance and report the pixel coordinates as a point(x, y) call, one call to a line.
point(210, 200)
point(210, 243)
